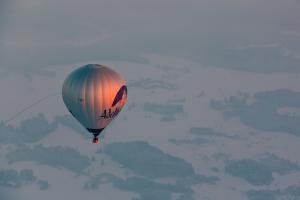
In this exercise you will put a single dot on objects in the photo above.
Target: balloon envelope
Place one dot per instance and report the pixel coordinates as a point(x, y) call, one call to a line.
point(94, 95)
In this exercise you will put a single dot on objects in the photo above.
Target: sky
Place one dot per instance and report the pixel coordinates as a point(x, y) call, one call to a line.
point(213, 105)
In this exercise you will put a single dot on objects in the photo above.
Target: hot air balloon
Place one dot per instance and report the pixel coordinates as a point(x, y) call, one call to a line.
point(94, 94)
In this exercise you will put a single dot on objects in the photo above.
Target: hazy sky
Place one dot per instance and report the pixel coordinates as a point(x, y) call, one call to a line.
point(229, 33)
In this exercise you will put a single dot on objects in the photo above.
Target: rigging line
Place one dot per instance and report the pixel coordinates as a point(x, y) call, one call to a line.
point(30, 106)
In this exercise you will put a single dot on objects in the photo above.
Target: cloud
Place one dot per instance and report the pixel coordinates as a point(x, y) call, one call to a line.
point(263, 113)
point(151, 164)
point(36, 128)
point(207, 132)
point(147, 188)
point(202, 135)
point(99, 179)
point(7, 194)
point(250, 170)
point(147, 160)
point(261, 195)
point(70, 122)
point(58, 157)
point(30, 130)
point(195, 141)
point(43, 185)
point(148, 83)
point(14, 179)
point(279, 165)
point(168, 111)
point(291, 192)
point(260, 172)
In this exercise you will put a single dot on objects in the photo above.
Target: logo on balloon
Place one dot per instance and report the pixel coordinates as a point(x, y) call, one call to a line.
point(110, 113)
point(119, 95)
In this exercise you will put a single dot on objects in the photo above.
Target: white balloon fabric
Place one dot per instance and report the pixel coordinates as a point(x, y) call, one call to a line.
point(94, 94)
